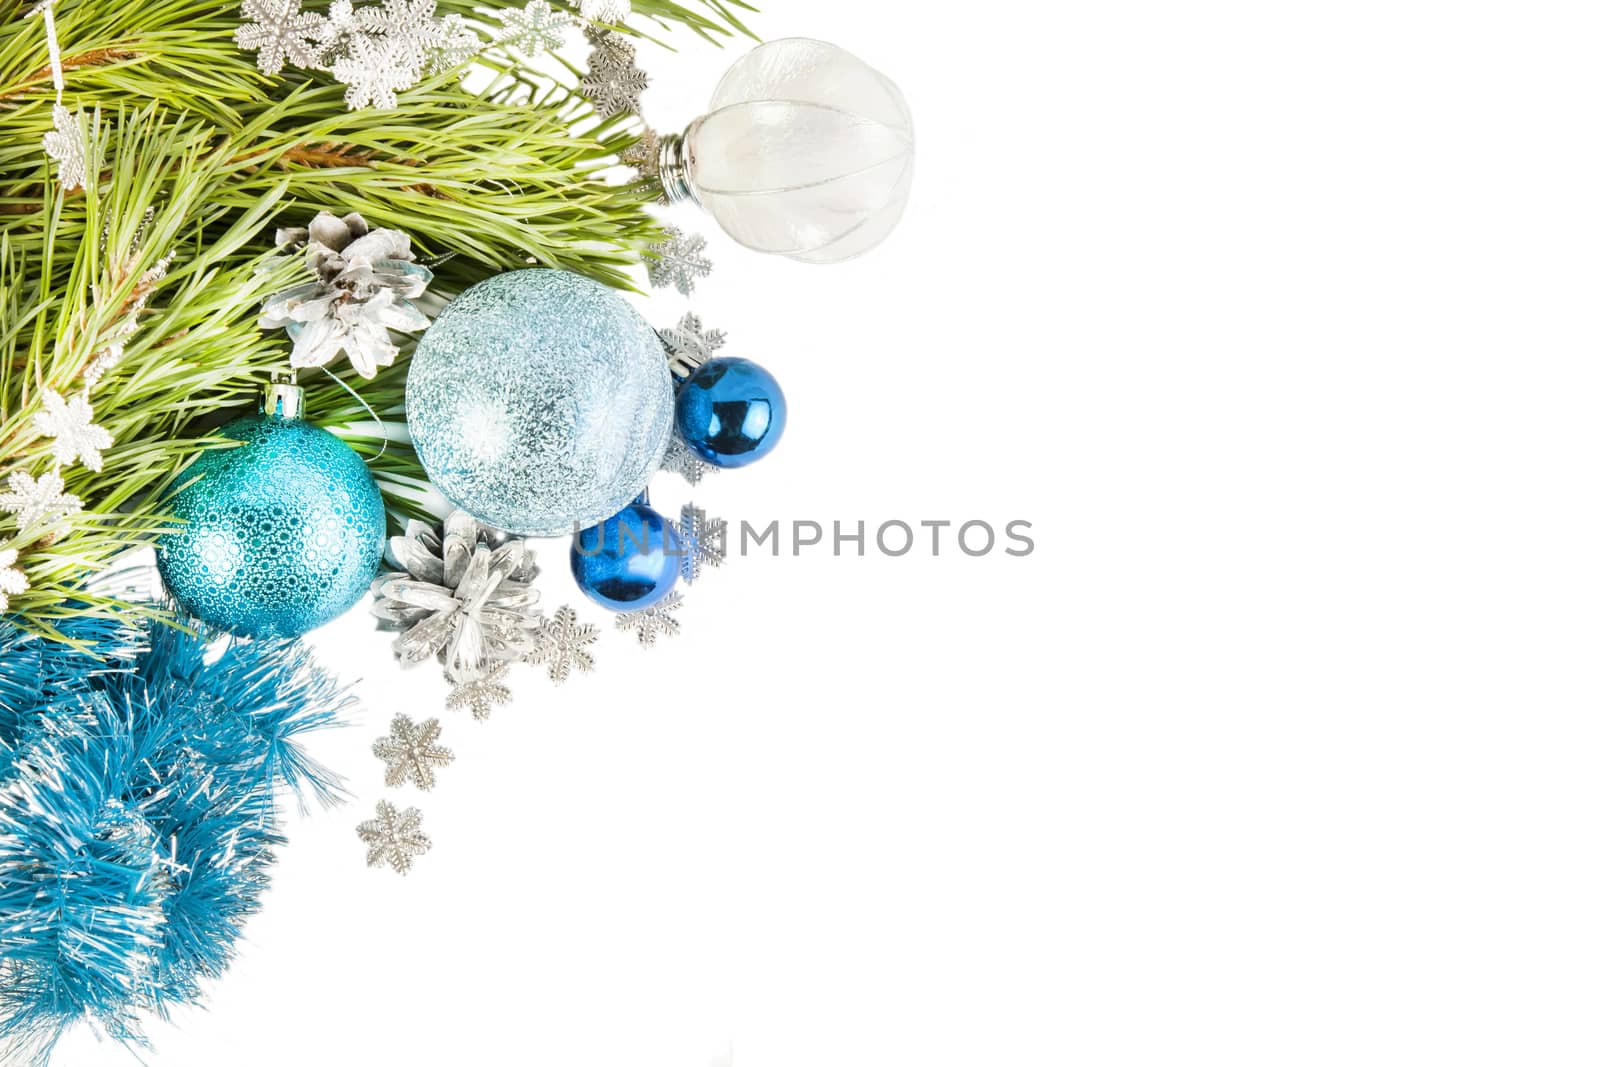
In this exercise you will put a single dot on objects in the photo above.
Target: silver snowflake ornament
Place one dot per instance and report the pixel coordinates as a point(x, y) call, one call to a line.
point(481, 695)
point(689, 344)
point(614, 82)
point(12, 581)
point(65, 144)
point(44, 499)
point(375, 70)
point(534, 28)
point(653, 621)
point(680, 459)
point(678, 262)
point(702, 542)
point(612, 11)
point(394, 837)
point(278, 32)
point(411, 752)
point(71, 424)
point(563, 644)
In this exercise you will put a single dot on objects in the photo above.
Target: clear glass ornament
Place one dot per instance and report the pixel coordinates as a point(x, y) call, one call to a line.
point(806, 152)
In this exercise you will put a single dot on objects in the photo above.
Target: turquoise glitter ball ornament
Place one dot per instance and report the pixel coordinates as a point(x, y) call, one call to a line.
point(279, 534)
point(540, 402)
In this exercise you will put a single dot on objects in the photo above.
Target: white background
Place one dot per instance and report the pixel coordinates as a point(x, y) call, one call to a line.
point(1276, 320)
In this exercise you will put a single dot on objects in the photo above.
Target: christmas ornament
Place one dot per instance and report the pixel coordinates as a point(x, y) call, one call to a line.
point(411, 752)
point(680, 459)
point(653, 622)
point(481, 695)
point(614, 82)
point(365, 283)
point(139, 771)
point(375, 50)
point(394, 837)
point(731, 412)
point(690, 344)
point(71, 424)
point(278, 535)
point(805, 152)
point(704, 542)
point(539, 402)
point(678, 262)
point(563, 644)
point(628, 562)
point(462, 594)
point(12, 581)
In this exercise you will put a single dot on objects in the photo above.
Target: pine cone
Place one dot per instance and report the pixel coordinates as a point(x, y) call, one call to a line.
point(464, 596)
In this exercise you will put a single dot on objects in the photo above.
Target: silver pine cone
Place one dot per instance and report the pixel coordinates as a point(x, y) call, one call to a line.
point(462, 594)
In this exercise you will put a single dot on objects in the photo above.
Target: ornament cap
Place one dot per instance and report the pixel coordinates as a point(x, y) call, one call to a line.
point(672, 167)
point(282, 397)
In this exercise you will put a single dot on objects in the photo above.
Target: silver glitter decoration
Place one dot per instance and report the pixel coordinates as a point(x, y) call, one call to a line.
point(563, 642)
point(689, 344)
point(678, 262)
point(463, 595)
point(278, 32)
point(481, 695)
point(411, 752)
point(65, 143)
point(394, 837)
point(680, 459)
point(539, 401)
point(653, 621)
point(702, 540)
point(614, 82)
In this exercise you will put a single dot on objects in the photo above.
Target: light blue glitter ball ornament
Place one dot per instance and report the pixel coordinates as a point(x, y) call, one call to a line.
point(731, 412)
point(540, 402)
point(628, 562)
point(281, 533)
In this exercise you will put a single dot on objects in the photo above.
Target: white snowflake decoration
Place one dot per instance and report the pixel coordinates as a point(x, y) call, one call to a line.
point(702, 540)
point(612, 11)
point(534, 28)
point(690, 344)
point(411, 752)
point(678, 261)
point(680, 459)
point(653, 621)
point(563, 642)
point(481, 695)
point(66, 146)
point(12, 581)
point(278, 32)
point(394, 837)
point(376, 50)
point(41, 500)
point(71, 423)
point(375, 70)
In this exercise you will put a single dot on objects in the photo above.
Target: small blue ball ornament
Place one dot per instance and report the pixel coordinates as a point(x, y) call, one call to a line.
point(540, 402)
point(629, 561)
point(280, 534)
point(731, 412)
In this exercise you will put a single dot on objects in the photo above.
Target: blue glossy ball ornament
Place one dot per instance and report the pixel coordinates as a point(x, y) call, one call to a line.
point(279, 535)
point(731, 412)
point(629, 561)
point(540, 402)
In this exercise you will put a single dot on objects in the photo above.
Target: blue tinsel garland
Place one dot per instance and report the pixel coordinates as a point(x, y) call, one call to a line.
point(139, 778)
